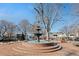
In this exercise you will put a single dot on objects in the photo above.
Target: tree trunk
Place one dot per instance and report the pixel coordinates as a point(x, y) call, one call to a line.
point(10, 37)
point(26, 36)
point(47, 36)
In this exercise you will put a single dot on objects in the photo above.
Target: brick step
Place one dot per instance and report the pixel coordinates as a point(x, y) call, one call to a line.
point(37, 47)
point(35, 50)
point(40, 44)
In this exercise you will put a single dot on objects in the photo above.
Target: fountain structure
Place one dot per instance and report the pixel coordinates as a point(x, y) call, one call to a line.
point(35, 47)
point(38, 34)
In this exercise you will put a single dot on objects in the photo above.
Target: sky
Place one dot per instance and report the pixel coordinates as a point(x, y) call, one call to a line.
point(15, 12)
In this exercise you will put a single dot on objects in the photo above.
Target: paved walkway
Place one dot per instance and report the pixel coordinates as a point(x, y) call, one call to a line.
point(68, 50)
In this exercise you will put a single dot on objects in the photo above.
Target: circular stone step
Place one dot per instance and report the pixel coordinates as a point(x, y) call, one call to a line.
point(19, 50)
point(23, 46)
point(37, 48)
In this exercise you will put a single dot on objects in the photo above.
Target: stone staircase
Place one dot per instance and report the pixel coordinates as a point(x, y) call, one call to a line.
point(35, 49)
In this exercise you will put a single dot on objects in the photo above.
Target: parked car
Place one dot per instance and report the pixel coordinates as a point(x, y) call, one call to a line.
point(1, 38)
point(20, 37)
point(76, 41)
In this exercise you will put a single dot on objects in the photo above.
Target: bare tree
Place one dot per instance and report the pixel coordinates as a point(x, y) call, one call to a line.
point(75, 28)
point(75, 12)
point(6, 28)
point(25, 27)
point(11, 29)
point(48, 14)
point(3, 28)
point(67, 30)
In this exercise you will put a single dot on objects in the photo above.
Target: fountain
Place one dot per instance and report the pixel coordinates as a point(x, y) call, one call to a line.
point(38, 34)
point(41, 46)
point(38, 46)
